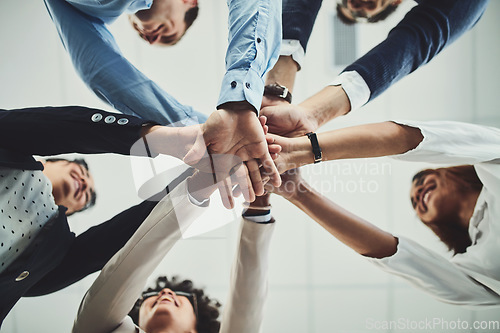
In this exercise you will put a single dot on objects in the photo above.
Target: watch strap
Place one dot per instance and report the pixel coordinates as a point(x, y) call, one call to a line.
point(278, 90)
point(318, 156)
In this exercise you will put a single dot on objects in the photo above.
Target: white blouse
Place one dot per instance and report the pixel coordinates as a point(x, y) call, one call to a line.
point(471, 278)
point(26, 204)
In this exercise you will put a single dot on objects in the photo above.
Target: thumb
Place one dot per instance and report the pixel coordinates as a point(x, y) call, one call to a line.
point(197, 151)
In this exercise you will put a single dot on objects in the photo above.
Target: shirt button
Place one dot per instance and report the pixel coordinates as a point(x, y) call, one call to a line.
point(96, 117)
point(247, 85)
point(122, 121)
point(109, 119)
point(258, 40)
point(233, 84)
point(22, 276)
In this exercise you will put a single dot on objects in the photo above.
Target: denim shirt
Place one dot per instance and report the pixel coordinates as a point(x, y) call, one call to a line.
point(109, 11)
point(254, 45)
point(101, 65)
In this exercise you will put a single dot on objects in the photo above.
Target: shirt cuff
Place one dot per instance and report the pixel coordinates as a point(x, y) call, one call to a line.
point(355, 88)
point(194, 201)
point(258, 217)
point(242, 85)
point(291, 47)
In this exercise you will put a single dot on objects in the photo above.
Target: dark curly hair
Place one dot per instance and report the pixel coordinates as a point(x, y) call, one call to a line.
point(373, 19)
point(208, 308)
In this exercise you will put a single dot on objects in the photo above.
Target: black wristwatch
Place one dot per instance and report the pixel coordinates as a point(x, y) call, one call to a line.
point(277, 90)
point(318, 156)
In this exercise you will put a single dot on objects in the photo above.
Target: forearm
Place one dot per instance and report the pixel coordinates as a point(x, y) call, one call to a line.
point(363, 141)
point(283, 73)
point(244, 309)
point(298, 19)
point(68, 129)
point(101, 65)
point(331, 102)
point(358, 234)
point(254, 42)
point(424, 32)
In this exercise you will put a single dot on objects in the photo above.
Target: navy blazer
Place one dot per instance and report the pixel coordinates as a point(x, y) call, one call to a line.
point(424, 32)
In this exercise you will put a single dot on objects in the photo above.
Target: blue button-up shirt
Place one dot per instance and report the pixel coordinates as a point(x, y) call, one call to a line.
point(254, 40)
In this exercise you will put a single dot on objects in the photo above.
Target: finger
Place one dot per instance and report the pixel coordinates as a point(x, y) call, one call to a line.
point(263, 120)
point(245, 186)
point(197, 151)
point(256, 178)
point(270, 139)
point(274, 148)
point(237, 191)
point(270, 170)
point(274, 156)
point(266, 129)
point(225, 191)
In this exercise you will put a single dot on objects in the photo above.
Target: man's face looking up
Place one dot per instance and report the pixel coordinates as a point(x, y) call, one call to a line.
point(163, 23)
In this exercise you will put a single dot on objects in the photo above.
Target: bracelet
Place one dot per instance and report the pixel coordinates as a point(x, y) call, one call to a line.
point(318, 157)
point(277, 90)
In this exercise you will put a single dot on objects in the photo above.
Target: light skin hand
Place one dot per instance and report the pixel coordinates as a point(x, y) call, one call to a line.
point(237, 131)
point(289, 120)
point(177, 142)
point(296, 120)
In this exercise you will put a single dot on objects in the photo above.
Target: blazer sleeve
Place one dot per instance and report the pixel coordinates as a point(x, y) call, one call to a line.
point(421, 35)
point(453, 143)
point(298, 19)
point(114, 292)
point(101, 65)
point(68, 129)
point(244, 310)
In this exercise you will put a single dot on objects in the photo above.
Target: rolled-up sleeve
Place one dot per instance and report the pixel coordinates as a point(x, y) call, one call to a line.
point(435, 275)
point(453, 143)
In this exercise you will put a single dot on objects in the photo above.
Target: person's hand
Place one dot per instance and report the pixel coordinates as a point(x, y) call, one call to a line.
point(295, 152)
point(225, 170)
point(288, 120)
point(240, 133)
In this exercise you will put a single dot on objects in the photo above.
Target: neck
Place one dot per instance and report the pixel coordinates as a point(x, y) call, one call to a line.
point(468, 203)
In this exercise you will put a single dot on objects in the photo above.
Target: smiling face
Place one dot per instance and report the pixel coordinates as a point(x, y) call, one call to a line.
point(353, 9)
point(72, 185)
point(168, 312)
point(164, 23)
point(434, 198)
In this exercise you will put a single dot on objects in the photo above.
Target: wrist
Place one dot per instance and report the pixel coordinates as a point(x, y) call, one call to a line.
point(239, 107)
point(329, 103)
point(301, 189)
point(155, 138)
point(300, 153)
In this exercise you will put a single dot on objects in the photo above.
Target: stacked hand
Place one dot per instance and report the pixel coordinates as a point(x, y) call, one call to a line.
point(288, 120)
point(237, 132)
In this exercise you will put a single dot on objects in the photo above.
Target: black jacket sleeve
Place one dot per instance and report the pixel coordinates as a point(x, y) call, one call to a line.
point(68, 129)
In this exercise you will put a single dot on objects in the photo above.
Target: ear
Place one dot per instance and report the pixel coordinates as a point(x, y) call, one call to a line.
point(193, 3)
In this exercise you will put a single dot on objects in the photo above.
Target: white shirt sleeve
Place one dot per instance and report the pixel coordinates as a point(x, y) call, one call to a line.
point(355, 88)
point(292, 47)
point(244, 309)
point(435, 275)
point(114, 292)
point(453, 143)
